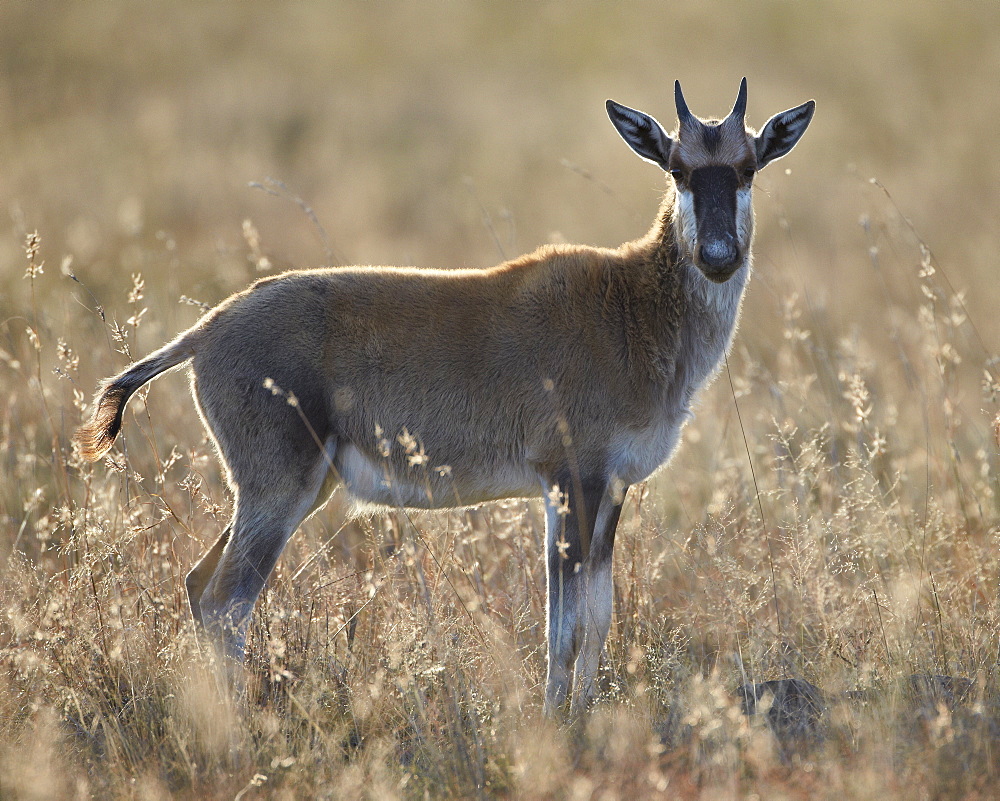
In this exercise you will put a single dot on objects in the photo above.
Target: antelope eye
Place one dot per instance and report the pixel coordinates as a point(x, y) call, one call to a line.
point(677, 175)
point(749, 173)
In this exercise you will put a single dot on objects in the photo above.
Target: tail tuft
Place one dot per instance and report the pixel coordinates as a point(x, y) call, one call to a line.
point(95, 437)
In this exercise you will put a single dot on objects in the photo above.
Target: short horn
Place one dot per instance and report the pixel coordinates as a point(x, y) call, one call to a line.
point(740, 108)
point(684, 115)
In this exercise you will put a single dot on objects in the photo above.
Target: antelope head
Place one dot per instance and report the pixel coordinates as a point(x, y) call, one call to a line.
point(712, 164)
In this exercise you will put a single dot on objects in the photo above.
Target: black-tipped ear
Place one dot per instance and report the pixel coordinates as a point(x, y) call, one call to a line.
point(641, 132)
point(782, 132)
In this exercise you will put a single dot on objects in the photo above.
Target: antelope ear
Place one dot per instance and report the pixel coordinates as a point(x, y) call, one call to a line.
point(782, 132)
point(641, 132)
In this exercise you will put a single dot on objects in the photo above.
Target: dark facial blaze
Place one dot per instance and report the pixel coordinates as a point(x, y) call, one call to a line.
point(713, 190)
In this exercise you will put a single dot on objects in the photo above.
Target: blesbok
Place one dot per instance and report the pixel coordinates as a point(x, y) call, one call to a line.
point(566, 374)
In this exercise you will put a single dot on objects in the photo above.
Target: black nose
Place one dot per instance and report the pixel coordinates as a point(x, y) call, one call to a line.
point(719, 253)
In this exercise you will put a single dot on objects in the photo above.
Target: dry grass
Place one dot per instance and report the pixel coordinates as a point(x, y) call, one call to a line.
point(403, 656)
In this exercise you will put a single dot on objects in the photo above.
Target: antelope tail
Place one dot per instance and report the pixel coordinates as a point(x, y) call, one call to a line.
point(95, 437)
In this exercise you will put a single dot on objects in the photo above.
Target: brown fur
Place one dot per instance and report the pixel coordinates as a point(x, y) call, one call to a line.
point(409, 348)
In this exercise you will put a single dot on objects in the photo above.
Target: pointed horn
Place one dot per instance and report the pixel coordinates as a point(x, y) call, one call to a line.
point(684, 115)
point(740, 108)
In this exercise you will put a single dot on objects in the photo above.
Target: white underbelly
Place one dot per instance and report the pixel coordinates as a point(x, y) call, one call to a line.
point(376, 483)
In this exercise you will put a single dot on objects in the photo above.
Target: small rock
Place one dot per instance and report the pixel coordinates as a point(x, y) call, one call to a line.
point(929, 690)
point(794, 710)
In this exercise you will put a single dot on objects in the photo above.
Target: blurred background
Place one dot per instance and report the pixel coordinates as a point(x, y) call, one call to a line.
point(129, 129)
point(169, 153)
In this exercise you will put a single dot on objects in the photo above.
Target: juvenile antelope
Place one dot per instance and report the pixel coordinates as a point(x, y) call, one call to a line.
point(566, 374)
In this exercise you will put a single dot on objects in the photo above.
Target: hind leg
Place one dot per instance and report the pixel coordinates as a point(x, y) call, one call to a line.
point(277, 458)
point(225, 584)
point(202, 572)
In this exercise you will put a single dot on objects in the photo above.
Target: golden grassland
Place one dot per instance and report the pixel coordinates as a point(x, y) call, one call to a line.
point(832, 516)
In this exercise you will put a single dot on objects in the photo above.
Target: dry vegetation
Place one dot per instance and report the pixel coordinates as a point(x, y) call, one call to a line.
point(832, 517)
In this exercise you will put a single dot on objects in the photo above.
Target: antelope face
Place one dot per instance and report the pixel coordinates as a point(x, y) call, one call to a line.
point(714, 215)
point(712, 164)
